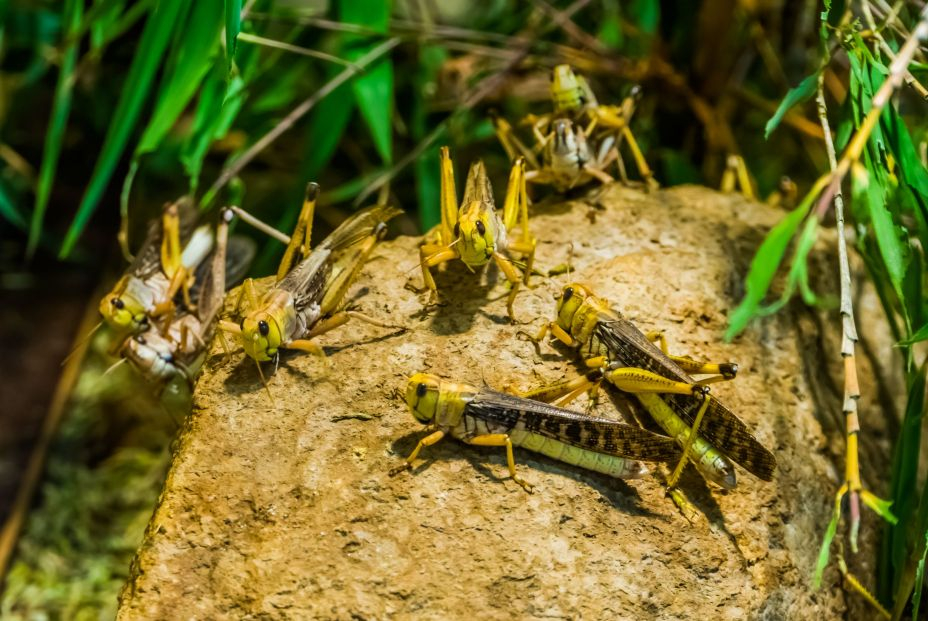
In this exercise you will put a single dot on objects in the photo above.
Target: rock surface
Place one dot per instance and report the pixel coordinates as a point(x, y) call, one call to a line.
point(286, 511)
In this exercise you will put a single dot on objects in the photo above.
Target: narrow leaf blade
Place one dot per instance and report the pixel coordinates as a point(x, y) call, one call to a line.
point(155, 38)
point(803, 91)
point(233, 10)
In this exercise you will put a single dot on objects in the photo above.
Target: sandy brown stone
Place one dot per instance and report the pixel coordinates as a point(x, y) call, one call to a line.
point(287, 511)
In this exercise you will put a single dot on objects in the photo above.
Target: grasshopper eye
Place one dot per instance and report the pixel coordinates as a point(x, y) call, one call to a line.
point(421, 389)
point(568, 293)
point(457, 229)
point(263, 328)
point(481, 229)
point(118, 303)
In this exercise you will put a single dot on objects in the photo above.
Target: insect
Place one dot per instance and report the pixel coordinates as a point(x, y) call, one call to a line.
point(568, 160)
point(306, 300)
point(603, 125)
point(484, 417)
point(180, 350)
point(174, 246)
point(710, 434)
point(476, 232)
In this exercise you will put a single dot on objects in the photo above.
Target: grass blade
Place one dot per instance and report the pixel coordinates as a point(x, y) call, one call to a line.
point(158, 30)
point(373, 90)
point(190, 60)
point(9, 210)
point(803, 91)
point(61, 109)
point(233, 27)
point(764, 266)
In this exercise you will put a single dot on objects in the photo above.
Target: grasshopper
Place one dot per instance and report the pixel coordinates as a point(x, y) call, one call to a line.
point(484, 417)
point(606, 125)
point(709, 433)
point(306, 300)
point(164, 265)
point(568, 161)
point(180, 350)
point(475, 232)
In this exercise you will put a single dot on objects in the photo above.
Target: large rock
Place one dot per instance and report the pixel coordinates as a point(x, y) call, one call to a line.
point(287, 511)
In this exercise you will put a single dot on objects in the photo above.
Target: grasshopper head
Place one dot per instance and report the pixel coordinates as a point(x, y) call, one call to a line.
point(121, 311)
point(152, 355)
point(478, 231)
point(572, 299)
point(722, 473)
point(567, 89)
point(422, 396)
point(477, 234)
point(261, 337)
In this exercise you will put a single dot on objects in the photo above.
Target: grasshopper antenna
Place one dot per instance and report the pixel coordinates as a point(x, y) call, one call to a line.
point(113, 366)
point(83, 341)
point(266, 387)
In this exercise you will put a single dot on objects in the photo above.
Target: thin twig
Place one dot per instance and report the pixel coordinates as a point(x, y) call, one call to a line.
point(296, 49)
point(296, 114)
point(848, 334)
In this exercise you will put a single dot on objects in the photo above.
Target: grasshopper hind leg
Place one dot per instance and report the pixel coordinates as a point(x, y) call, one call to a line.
point(502, 439)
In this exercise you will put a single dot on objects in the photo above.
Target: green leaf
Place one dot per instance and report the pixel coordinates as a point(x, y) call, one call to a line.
point(764, 266)
point(920, 335)
point(190, 60)
point(54, 135)
point(325, 131)
point(796, 95)
point(233, 27)
point(148, 55)
point(893, 251)
point(610, 31)
point(825, 551)
point(646, 14)
point(8, 208)
point(425, 167)
point(219, 104)
point(919, 579)
point(374, 89)
point(906, 457)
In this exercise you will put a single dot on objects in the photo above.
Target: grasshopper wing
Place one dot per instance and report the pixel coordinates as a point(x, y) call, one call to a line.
point(628, 346)
point(600, 435)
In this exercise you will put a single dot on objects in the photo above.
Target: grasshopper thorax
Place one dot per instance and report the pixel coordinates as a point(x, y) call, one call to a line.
point(569, 92)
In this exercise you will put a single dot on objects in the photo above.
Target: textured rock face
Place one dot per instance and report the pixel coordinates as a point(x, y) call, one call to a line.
point(287, 511)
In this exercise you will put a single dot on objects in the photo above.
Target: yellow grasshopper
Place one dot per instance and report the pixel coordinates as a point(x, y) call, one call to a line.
point(709, 433)
point(180, 350)
point(603, 126)
point(173, 248)
point(568, 158)
point(476, 232)
point(485, 417)
point(306, 301)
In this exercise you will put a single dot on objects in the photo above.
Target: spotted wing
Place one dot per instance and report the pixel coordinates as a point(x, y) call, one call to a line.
point(628, 346)
point(591, 433)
